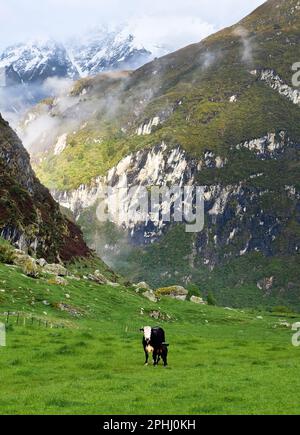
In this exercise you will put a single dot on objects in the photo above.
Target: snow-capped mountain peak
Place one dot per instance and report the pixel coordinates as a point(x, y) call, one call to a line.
point(101, 49)
point(37, 60)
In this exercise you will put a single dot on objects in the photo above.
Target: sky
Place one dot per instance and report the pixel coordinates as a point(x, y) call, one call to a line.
point(175, 23)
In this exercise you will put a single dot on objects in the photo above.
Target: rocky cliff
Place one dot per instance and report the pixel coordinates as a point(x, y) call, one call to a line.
point(29, 217)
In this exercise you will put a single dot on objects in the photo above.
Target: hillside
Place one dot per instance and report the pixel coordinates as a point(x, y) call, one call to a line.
point(29, 217)
point(223, 114)
point(84, 339)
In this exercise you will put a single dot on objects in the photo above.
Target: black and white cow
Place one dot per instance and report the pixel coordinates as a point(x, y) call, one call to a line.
point(154, 342)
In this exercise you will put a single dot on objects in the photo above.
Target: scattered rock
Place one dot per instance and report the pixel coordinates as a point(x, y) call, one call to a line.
point(150, 296)
point(41, 262)
point(285, 324)
point(113, 284)
point(198, 300)
point(98, 278)
point(266, 284)
point(174, 292)
point(56, 269)
point(282, 324)
point(30, 268)
point(58, 280)
point(69, 309)
point(158, 315)
point(143, 286)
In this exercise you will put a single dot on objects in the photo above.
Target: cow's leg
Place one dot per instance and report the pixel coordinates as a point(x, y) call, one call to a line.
point(147, 357)
point(165, 358)
point(155, 362)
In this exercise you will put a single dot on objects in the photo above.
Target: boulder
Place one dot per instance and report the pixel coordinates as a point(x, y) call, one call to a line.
point(174, 292)
point(20, 258)
point(266, 284)
point(149, 294)
point(41, 262)
point(198, 300)
point(56, 269)
point(30, 268)
point(58, 280)
point(113, 284)
point(98, 277)
point(143, 286)
point(27, 263)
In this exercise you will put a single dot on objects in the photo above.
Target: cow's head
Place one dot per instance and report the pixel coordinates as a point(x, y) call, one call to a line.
point(147, 333)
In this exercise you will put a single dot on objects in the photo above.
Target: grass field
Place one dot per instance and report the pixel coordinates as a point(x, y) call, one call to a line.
point(220, 360)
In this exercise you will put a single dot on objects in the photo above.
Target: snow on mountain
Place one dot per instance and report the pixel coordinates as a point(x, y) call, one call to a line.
point(102, 49)
point(35, 61)
point(108, 50)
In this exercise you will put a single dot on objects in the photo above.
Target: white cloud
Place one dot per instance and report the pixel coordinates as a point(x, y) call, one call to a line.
point(173, 22)
point(172, 31)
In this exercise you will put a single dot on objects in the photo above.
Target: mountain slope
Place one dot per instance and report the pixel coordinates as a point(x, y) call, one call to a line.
point(29, 217)
point(223, 114)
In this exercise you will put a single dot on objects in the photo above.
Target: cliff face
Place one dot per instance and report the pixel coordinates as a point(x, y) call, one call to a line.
point(251, 205)
point(29, 217)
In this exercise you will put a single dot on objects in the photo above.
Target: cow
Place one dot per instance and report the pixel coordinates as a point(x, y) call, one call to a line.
point(154, 342)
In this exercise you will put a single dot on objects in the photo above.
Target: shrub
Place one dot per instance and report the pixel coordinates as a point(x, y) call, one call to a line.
point(194, 290)
point(282, 309)
point(6, 254)
point(211, 300)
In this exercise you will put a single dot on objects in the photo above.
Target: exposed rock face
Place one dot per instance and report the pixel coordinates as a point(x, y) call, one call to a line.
point(275, 82)
point(239, 219)
point(29, 217)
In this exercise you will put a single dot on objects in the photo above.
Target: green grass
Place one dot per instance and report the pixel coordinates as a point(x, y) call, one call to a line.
point(220, 361)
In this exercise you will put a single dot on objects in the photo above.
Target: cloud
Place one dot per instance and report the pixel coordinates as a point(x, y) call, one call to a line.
point(170, 31)
point(247, 43)
point(172, 22)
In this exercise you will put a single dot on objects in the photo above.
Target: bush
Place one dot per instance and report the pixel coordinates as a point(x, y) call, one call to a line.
point(6, 254)
point(211, 300)
point(282, 309)
point(194, 290)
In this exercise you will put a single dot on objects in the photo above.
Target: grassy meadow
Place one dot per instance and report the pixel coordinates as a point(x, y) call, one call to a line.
point(220, 360)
